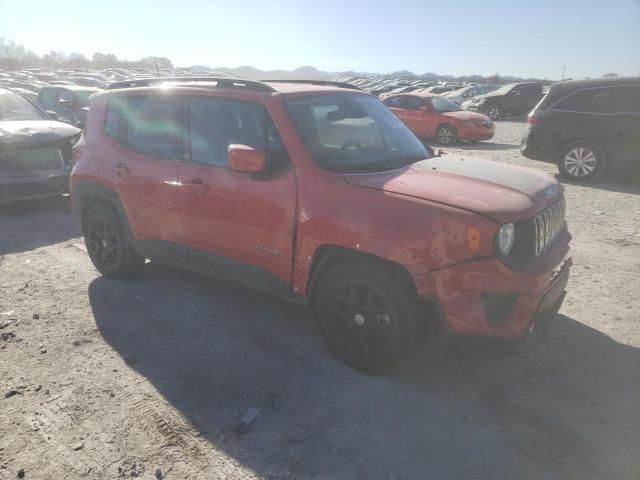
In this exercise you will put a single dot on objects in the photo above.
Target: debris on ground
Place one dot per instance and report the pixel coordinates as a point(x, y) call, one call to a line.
point(10, 393)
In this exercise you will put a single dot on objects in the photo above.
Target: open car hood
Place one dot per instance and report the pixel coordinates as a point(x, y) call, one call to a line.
point(502, 192)
point(31, 132)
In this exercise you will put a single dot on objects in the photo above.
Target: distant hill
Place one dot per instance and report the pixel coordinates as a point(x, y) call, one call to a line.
point(301, 73)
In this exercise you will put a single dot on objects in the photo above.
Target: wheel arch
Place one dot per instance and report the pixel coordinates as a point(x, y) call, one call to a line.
point(86, 195)
point(328, 255)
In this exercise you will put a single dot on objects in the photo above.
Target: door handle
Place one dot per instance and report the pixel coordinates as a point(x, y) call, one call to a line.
point(121, 170)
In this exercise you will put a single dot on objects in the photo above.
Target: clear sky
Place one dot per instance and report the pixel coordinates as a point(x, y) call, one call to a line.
point(517, 37)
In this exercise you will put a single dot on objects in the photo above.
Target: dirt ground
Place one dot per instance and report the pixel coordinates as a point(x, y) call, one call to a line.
point(156, 377)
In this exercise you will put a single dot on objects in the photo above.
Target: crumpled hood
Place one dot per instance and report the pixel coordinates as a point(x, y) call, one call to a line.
point(464, 115)
point(35, 131)
point(502, 192)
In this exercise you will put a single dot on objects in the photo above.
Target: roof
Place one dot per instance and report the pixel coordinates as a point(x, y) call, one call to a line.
point(266, 86)
point(74, 88)
point(571, 85)
point(414, 94)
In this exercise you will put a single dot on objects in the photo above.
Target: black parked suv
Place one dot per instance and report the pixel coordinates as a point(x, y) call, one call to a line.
point(69, 102)
point(511, 99)
point(587, 126)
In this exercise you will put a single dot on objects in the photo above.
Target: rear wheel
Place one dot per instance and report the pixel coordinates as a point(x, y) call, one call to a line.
point(495, 112)
point(368, 319)
point(446, 135)
point(107, 244)
point(581, 161)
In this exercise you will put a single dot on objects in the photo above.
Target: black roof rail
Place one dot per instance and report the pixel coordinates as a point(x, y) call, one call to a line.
point(326, 83)
point(222, 82)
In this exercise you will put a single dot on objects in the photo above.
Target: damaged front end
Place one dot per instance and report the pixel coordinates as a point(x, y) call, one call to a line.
point(35, 158)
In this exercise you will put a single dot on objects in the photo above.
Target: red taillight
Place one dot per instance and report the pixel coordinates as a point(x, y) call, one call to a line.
point(531, 120)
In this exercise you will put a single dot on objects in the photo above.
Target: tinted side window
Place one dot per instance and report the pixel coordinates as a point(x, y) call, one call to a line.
point(154, 126)
point(413, 103)
point(113, 118)
point(591, 100)
point(214, 124)
point(49, 97)
point(394, 102)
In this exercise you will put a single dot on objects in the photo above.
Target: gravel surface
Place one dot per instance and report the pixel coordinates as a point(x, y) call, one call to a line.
point(173, 375)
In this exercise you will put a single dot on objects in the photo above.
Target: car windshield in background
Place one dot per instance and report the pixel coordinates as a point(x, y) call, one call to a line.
point(442, 104)
point(82, 97)
point(16, 107)
point(354, 133)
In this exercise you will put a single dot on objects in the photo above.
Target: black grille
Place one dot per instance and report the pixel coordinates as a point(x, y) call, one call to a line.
point(535, 235)
point(548, 226)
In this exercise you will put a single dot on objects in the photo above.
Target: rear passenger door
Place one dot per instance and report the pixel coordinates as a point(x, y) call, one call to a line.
point(626, 100)
point(238, 225)
point(141, 161)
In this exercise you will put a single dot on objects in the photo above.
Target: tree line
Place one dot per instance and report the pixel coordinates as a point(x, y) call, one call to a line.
point(14, 56)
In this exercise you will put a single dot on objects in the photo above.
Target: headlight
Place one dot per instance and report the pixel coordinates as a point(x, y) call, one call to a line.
point(506, 238)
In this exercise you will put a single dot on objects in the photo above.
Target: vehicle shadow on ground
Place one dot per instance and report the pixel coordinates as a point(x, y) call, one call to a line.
point(49, 221)
point(476, 146)
point(485, 146)
point(214, 350)
point(611, 182)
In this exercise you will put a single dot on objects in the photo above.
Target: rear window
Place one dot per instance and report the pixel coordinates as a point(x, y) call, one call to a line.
point(591, 100)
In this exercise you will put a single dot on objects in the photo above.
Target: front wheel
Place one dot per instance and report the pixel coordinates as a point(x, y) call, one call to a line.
point(366, 317)
point(581, 161)
point(107, 245)
point(446, 135)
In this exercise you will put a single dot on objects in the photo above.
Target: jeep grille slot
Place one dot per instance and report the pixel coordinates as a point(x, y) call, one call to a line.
point(548, 225)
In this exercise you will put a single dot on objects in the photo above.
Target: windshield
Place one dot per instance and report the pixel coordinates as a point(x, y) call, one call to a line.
point(354, 133)
point(82, 97)
point(15, 107)
point(442, 104)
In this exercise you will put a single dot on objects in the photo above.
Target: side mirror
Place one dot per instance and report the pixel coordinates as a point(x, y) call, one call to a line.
point(425, 109)
point(52, 114)
point(64, 103)
point(243, 158)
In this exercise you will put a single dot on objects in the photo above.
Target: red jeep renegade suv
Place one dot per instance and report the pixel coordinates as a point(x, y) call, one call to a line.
point(320, 194)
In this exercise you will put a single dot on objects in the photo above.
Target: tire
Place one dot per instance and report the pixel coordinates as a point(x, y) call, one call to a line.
point(368, 318)
point(446, 135)
point(107, 244)
point(495, 112)
point(581, 161)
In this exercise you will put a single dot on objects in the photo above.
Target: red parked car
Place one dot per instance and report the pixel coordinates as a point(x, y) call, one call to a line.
point(320, 195)
point(434, 117)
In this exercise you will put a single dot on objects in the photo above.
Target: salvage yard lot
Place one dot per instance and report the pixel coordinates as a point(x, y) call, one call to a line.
point(156, 377)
